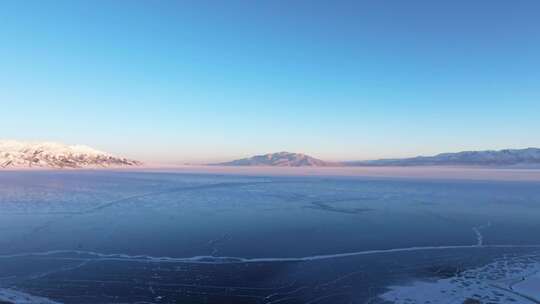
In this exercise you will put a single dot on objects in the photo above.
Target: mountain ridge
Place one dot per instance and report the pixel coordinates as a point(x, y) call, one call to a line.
point(25, 154)
point(280, 159)
point(505, 157)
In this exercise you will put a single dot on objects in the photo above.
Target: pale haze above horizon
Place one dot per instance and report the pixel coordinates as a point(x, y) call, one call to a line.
point(209, 81)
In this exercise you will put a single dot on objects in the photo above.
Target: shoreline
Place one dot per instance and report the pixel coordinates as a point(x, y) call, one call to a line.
point(417, 172)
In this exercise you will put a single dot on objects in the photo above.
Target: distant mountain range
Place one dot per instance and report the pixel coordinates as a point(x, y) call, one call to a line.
point(508, 157)
point(17, 154)
point(280, 159)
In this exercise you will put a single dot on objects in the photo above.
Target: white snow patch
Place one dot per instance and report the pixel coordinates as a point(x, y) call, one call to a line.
point(530, 286)
point(17, 297)
point(507, 280)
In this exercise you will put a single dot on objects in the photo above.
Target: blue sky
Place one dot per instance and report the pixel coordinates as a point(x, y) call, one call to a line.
point(197, 81)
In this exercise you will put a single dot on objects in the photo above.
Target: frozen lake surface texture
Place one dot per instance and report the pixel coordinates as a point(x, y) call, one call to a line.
point(125, 237)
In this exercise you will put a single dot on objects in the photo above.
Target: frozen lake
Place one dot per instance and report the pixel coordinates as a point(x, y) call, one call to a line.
point(112, 237)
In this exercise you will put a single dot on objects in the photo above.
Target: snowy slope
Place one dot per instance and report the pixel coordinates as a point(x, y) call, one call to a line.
point(18, 154)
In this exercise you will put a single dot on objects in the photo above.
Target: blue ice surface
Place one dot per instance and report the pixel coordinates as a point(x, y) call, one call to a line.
point(204, 235)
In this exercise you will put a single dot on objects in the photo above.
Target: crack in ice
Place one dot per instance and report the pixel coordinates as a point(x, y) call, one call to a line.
point(479, 235)
point(96, 256)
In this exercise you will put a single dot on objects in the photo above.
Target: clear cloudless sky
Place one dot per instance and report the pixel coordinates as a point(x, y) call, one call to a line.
point(198, 81)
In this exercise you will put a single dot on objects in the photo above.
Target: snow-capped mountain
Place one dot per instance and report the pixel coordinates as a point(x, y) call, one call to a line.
point(508, 157)
point(280, 159)
point(17, 154)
